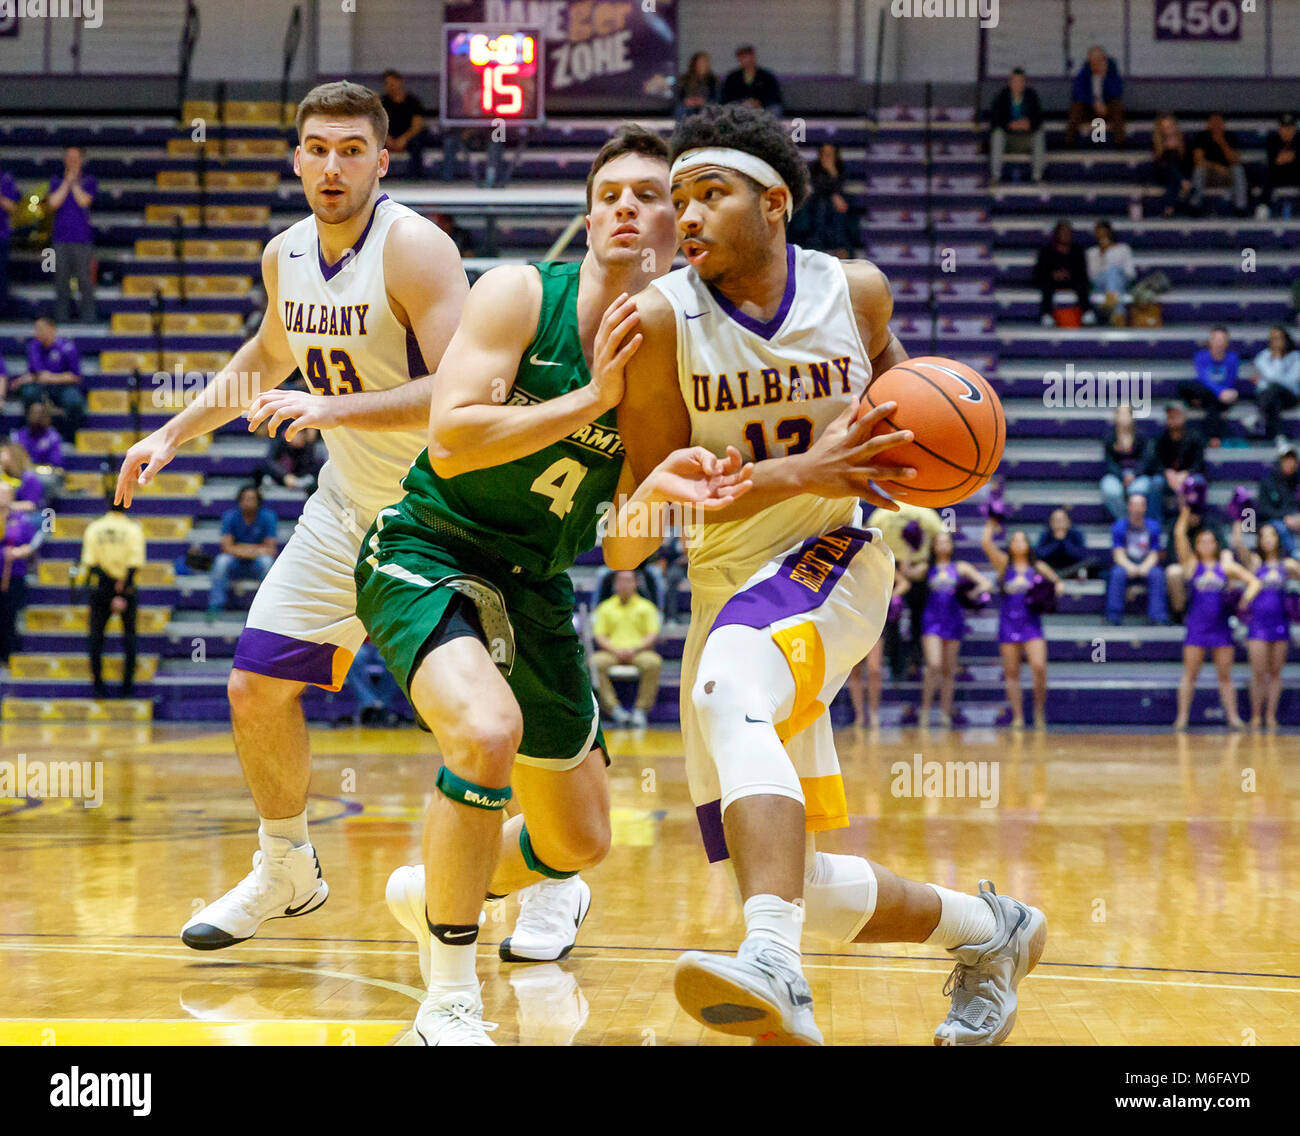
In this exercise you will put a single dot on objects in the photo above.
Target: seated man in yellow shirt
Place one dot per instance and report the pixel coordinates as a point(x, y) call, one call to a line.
point(625, 628)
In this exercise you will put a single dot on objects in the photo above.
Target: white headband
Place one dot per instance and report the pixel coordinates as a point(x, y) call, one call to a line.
point(749, 164)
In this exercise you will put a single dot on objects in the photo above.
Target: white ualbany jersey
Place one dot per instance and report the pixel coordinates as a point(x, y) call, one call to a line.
point(802, 570)
point(303, 624)
point(346, 340)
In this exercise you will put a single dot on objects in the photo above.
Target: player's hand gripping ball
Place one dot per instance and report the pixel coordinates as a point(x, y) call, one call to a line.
point(958, 427)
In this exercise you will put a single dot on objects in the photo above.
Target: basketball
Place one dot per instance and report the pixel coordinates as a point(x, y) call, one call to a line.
point(957, 423)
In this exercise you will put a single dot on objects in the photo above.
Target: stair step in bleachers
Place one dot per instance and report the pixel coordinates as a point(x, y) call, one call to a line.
point(216, 214)
point(242, 111)
point(52, 618)
point(165, 484)
point(219, 179)
point(194, 285)
point(194, 249)
point(17, 708)
point(177, 323)
point(72, 526)
point(57, 573)
point(76, 668)
point(235, 147)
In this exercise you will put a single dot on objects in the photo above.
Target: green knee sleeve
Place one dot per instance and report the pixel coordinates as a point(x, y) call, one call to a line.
point(467, 793)
point(534, 864)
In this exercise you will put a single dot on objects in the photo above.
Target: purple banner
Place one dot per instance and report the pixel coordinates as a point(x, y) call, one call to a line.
point(605, 48)
point(1198, 20)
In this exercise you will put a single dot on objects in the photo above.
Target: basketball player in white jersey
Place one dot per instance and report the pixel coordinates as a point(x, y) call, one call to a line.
point(347, 288)
point(767, 348)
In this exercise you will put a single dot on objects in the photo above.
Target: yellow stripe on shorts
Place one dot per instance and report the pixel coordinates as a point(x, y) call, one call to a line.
point(803, 650)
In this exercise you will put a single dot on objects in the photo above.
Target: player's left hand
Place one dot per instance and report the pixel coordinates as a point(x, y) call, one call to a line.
point(694, 476)
point(298, 408)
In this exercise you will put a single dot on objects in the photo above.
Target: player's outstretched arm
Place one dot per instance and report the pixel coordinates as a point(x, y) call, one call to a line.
point(470, 425)
point(263, 362)
point(426, 286)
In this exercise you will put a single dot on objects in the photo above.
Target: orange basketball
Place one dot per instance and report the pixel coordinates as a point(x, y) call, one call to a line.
point(958, 426)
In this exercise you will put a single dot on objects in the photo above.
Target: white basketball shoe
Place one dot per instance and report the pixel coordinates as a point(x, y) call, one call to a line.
point(983, 983)
point(285, 881)
point(454, 1018)
point(757, 994)
point(550, 913)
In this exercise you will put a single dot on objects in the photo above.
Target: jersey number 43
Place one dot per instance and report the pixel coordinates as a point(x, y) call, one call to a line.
point(343, 379)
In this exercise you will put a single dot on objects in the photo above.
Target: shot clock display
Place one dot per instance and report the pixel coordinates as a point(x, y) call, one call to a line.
point(489, 72)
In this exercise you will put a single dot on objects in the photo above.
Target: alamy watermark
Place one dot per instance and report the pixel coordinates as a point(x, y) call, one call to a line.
point(986, 11)
point(90, 12)
point(1073, 388)
point(80, 780)
point(956, 779)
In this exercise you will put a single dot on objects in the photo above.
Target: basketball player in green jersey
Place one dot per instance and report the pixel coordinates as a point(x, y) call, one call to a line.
point(462, 584)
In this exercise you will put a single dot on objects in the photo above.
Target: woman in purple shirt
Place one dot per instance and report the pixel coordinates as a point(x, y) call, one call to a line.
point(1020, 628)
point(1269, 632)
point(1208, 608)
point(22, 536)
point(16, 472)
point(943, 625)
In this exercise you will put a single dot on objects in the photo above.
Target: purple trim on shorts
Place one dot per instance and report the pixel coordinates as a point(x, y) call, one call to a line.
point(749, 323)
point(329, 271)
point(715, 841)
point(281, 656)
point(782, 594)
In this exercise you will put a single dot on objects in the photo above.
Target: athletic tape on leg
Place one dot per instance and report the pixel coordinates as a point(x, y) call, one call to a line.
point(467, 793)
point(531, 860)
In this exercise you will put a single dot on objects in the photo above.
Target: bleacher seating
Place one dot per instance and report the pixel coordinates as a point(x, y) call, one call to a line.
point(984, 239)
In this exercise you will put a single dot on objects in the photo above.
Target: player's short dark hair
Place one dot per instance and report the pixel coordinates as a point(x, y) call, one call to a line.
point(347, 100)
point(627, 139)
point(739, 127)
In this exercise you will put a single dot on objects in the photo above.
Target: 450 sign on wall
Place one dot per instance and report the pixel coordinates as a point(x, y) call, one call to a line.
point(1198, 19)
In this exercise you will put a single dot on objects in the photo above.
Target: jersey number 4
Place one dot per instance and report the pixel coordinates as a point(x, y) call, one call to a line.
point(559, 481)
point(322, 381)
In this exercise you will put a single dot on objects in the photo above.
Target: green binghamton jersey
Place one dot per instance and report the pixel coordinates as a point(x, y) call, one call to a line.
point(538, 512)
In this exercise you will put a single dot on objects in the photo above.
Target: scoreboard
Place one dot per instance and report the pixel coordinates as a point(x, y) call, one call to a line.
point(491, 72)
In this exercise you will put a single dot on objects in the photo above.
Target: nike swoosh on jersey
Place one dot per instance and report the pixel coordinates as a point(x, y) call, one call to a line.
point(294, 254)
point(696, 315)
point(536, 362)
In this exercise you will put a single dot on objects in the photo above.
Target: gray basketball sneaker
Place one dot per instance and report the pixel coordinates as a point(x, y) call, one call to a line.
point(757, 994)
point(983, 983)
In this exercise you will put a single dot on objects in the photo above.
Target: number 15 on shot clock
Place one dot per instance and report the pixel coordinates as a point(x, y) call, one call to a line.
point(490, 73)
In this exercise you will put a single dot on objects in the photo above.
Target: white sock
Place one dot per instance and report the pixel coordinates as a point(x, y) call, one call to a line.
point(452, 967)
point(774, 918)
point(963, 919)
point(292, 829)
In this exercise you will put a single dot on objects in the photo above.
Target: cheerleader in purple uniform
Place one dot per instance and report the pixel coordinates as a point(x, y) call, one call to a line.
point(1269, 632)
point(1020, 627)
point(1208, 574)
point(943, 625)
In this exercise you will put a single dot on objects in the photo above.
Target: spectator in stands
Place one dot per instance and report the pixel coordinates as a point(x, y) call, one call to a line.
point(1281, 160)
point(907, 533)
point(1214, 389)
point(1061, 266)
point(8, 203)
point(43, 446)
point(1111, 270)
point(672, 564)
point(626, 628)
point(247, 546)
point(16, 472)
point(54, 375)
point(1016, 122)
point(22, 536)
point(1278, 501)
point(406, 133)
point(74, 241)
point(112, 552)
point(375, 696)
point(751, 84)
point(697, 88)
point(1277, 381)
point(825, 221)
point(1097, 92)
point(293, 462)
point(1216, 161)
point(1179, 451)
point(1130, 467)
point(1173, 164)
point(1135, 550)
point(1062, 548)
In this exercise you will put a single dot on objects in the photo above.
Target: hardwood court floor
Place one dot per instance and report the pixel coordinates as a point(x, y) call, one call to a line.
point(1172, 891)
